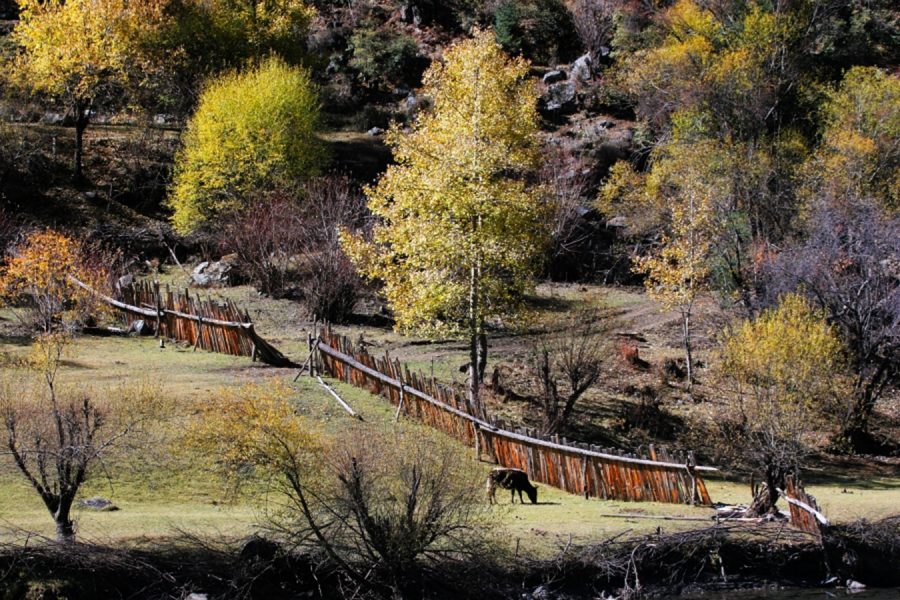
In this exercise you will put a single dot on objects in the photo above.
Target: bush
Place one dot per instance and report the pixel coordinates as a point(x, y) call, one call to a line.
point(384, 58)
point(253, 131)
point(287, 243)
point(397, 511)
point(540, 30)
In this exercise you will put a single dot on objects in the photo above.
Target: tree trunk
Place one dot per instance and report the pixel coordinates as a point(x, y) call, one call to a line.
point(82, 115)
point(65, 529)
point(474, 383)
point(482, 351)
point(766, 498)
point(688, 354)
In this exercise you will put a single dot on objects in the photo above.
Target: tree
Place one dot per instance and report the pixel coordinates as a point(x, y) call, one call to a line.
point(848, 266)
point(785, 370)
point(563, 368)
point(732, 62)
point(859, 156)
point(84, 52)
point(205, 38)
point(57, 437)
point(39, 275)
point(460, 230)
point(253, 131)
point(678, 202)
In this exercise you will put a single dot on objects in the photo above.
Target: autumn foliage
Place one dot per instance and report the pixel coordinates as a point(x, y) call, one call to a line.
point(39, 275)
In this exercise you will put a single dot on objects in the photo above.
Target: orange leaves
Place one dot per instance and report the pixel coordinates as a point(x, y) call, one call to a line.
point(37, 274)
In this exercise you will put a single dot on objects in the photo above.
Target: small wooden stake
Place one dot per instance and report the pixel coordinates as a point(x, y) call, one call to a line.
point(400, 403)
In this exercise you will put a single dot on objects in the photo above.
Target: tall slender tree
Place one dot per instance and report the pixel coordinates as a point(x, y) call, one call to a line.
point(461, 231)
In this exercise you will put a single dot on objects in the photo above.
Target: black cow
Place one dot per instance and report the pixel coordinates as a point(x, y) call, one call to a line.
point(514, 480)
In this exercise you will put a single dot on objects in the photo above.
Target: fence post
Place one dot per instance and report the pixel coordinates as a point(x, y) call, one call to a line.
point(477, 430)
point(690, 469)
point(158, 309)
point(400, 403)
point(312, 360)
point(199, 331)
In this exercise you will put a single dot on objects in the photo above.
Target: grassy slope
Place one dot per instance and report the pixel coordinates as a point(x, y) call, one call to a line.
point(159, 497)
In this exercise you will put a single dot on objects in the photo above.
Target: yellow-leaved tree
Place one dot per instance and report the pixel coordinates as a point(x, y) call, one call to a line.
point(81, 53)
point(859, 156)
point(460, 231)
point(786, 370)
point(679, 199)
point(253, 131)
point(38, 276)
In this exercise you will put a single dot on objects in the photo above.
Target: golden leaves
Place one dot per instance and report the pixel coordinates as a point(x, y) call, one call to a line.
point(252, 131)
point(253, 427)
point(70, 49)
point(38, 272)
point(456, 200)
point(790, 360)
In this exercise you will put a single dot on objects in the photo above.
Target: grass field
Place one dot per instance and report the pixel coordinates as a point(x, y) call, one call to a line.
point(161, 494)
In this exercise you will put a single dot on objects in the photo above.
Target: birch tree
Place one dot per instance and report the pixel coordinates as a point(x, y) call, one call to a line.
point(460, 230)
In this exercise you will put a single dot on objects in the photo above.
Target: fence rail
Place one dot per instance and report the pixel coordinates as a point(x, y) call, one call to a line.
point(207, 324)
point(578, 469)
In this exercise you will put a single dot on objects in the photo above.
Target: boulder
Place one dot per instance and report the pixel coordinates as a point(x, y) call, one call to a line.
point(554, 76)
point(125, 281)
point(99, 504)
point(560, 97)
point(375, 131)
point(582, 68)
point(209, 273)
point(53, 118)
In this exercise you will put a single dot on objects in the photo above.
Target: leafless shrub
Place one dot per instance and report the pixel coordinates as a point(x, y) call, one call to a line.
point(330, 284)
point(393, 512)
point(594, 23)
point(566, 181)
point(287, 241)
point(563, 367)
point(266, 237)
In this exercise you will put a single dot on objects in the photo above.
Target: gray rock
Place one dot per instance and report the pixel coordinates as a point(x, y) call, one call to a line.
point(52, 118)
point(211, 273)
point(560, 97)
point(582, 68)
point(99, 504)
point(855, 586)
point(196, 596)
point(140, 327)
point(554, 76)
point(334, 65)
point(375, 131)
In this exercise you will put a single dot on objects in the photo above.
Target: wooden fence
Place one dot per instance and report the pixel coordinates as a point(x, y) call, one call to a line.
point(207, 324)
point(576, 468)
point(805, 512)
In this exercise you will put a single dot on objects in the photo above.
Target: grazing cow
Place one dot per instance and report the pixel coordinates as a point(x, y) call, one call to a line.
point(514, 480)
